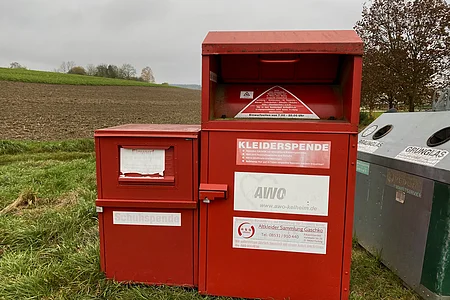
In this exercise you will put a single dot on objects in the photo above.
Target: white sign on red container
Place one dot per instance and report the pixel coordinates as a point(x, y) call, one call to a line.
point(280, 235)
point(277, 102)
point(146, 218)
point(142, 161)
point(281, 193)
point(283, 153)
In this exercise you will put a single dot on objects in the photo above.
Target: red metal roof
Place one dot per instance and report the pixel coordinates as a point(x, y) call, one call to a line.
point(151, 130)
point(316, 41)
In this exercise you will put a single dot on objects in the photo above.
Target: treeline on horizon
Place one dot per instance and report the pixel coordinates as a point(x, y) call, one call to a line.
point(125, 71)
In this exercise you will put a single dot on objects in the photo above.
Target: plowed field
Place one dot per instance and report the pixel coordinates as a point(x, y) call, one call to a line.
point(33, 111)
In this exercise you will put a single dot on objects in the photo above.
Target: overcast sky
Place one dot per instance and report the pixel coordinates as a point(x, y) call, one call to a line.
point(165, 35)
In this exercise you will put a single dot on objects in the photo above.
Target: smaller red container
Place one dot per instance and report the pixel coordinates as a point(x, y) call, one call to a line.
point(147, 178)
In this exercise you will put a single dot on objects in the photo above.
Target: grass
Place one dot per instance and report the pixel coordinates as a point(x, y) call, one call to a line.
point(374, 116)
point(62, 78)
point(17, 147)
point(370, 279)
point(49, 245)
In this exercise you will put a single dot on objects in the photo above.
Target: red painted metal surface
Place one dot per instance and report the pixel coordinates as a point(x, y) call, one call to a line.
point(150, 254)
point(336, 98)
point(203, 212)
point(320, 126)
point(349, 210)
point(146, 203)
point(150, 130)
point(252, 273)
point(322, 69)
point(213, 191)
point(134, 244)
point(100, 195)
point(176, 184)
point(318, 41)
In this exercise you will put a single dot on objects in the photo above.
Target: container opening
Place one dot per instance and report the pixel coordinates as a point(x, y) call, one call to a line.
point(382, 132)
point(439, 137)
point(282, 86)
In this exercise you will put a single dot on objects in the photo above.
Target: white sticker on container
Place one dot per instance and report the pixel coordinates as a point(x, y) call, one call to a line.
point(368, 146)
point(362, 167)
point(400, 196)
point(246, 95)
point(212, 76)
point(283, 153)
point(146, 218)
point(281, 193)
point(422, 155)
point(280, 235)
point(275, 103)
point(142, 161)
point(369, 130)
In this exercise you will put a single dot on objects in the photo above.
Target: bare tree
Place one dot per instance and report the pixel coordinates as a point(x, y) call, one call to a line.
point(377, 92)
point(70, 65)
point(66, 66)
point(101, 70)
point(62, 68)
point(91, 70)
point(16, 65)
point(113, 71)
point(406, 49)
point(147, 75)
point(127, 71)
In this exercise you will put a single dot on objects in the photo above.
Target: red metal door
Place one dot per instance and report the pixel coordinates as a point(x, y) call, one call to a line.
point(272, 265)
point(162, 253)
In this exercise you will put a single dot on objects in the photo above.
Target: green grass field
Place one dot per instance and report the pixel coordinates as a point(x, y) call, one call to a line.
point(21, 75)
point(49, 245)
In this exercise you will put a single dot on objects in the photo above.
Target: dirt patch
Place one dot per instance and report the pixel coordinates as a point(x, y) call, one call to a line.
point(33, 111)
point(68, 199)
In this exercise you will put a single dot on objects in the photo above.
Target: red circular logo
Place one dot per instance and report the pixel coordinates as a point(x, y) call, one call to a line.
point(246, 230)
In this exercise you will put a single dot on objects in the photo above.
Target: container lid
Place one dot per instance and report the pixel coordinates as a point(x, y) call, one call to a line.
point(417, 143)
point(260, 42)
point(150, 130)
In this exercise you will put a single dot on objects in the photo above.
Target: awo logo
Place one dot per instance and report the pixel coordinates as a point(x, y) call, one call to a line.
point(246, 230)
point(266, 192)
point(262, 187)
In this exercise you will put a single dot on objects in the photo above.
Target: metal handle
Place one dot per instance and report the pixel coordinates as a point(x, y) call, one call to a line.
point(209, 192)
point(280, 61)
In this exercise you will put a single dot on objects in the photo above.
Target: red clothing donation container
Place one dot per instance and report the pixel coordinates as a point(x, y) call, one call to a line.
point(280, 117)
point(147, 178)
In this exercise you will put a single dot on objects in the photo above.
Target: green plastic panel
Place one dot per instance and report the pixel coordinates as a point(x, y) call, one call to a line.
point(436, 266)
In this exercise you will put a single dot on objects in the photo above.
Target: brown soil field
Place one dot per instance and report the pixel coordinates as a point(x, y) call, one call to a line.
point(31, 111)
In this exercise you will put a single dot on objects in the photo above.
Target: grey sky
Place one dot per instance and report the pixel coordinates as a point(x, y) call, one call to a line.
point(165, 34)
